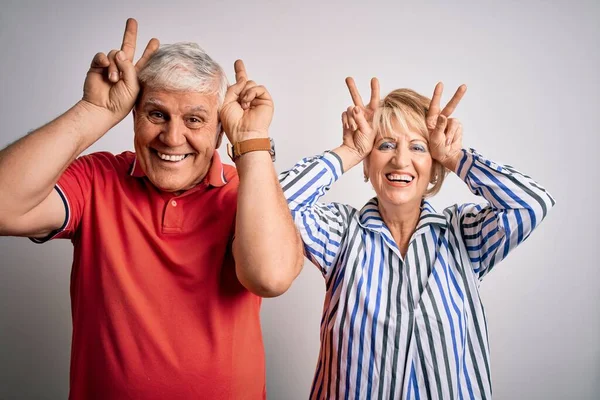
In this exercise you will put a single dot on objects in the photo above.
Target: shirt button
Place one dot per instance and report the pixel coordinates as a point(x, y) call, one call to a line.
point(174, 203)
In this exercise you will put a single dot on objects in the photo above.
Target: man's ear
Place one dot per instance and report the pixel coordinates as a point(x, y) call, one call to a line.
point(219, 135)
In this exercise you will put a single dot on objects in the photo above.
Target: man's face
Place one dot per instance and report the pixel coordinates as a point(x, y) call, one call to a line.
point(176, 134)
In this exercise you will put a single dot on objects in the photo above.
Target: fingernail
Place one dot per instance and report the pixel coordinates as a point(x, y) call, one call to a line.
point(447, 142)
point(356, 110)
point(440, 118)
point(113, 76)
point(120, 56)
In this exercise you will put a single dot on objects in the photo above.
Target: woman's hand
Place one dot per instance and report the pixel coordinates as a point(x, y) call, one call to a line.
point(357, 120)
point(445, 134)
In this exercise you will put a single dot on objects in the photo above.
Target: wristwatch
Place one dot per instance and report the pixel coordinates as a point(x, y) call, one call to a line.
point(246, 146)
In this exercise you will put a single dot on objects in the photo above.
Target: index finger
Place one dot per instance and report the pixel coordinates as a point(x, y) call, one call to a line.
point(451, 106)
point(129, 38)
point(240, 71)
point(354, 92)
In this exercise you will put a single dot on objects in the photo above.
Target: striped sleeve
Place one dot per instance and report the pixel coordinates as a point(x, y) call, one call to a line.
point(517, 204)
point(321, 226)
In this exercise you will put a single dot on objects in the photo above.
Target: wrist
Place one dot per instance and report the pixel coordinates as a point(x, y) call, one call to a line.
point(246, 135)
point(451, 163)
point(350, 158)
point(97, 114)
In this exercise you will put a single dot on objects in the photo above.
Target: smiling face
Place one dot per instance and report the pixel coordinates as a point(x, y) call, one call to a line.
point(400, 167)
point(176, 134)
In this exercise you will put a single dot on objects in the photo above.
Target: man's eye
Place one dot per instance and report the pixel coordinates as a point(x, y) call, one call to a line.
point(195, 120)
point(157, 115)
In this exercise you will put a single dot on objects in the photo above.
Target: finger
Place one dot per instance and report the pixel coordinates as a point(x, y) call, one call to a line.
point(451, 106)
point(151, 48)
point(127, 69)
point(244, 98)
point(345, 121)
point(99, 62)
point(438, 138)
point(434, 106)
point(451, 130)
point(363, 125)
point(113, 71)
point(129, 38)
point(351, 122)
point(255, 96)
point(356, 99)
point(240, 71)
point(374, 102)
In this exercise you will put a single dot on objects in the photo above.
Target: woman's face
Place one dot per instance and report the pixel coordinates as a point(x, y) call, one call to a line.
point(400, 167)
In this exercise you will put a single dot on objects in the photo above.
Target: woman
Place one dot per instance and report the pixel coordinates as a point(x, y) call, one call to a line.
point(402, 315)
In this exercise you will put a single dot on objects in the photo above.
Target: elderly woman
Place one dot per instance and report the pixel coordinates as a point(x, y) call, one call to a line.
point(402, 316)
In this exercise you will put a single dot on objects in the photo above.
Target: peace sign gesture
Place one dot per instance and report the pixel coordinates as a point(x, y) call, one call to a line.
point(358, 133)
point(247, 108)
point(111, 83)
point(445, 133)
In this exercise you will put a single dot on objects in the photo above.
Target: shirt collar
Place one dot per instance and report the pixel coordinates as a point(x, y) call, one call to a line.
point(370, 218)
point(214, 177)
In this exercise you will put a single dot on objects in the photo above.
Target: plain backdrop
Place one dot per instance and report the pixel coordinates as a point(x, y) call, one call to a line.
point(532, 72)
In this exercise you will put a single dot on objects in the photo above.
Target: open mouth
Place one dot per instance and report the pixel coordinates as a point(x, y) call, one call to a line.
point(171, 157)
point(399, 178)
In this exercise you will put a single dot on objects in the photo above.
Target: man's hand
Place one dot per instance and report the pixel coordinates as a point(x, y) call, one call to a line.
point(247, 109)
point(445, 134)
point(111, 83)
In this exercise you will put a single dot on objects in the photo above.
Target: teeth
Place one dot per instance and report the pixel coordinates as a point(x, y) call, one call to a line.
point(168, 157)
point(400, 177)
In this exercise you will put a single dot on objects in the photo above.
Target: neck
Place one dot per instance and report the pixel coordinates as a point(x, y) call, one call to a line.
point(402, 222)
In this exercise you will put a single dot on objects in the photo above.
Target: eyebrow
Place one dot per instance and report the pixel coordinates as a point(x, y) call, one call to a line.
point(158, 103)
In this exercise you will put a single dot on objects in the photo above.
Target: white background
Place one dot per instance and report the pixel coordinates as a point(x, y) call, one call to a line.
point(533, 97)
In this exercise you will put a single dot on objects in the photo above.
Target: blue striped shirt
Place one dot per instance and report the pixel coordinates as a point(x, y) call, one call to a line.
point(409, 327)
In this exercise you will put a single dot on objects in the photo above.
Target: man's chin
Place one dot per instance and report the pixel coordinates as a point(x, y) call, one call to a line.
point(170, 186)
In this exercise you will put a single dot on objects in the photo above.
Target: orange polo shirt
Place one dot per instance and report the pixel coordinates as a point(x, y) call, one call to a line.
point(158, 312)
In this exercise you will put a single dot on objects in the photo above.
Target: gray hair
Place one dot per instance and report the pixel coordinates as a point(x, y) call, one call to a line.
point(184, 66)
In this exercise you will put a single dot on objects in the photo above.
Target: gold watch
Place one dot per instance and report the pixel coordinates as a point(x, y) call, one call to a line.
point(246, 146)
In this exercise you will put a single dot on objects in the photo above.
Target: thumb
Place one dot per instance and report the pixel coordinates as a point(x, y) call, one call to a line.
point(127, 69)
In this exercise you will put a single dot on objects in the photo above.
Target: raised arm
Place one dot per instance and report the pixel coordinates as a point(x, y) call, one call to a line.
point(266, 248)
point(323, 226)
point(30, 167)
point(516, 204)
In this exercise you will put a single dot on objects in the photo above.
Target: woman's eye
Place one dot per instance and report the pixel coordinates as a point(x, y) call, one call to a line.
point(387, 146)
point(419, 147)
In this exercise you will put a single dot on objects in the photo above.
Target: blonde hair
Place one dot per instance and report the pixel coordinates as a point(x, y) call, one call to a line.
point(409, 109)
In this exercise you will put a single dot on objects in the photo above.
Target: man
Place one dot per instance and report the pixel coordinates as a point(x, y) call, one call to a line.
point(171, 249)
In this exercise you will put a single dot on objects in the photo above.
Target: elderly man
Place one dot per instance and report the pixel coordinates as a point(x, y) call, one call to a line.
point(172, 249)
